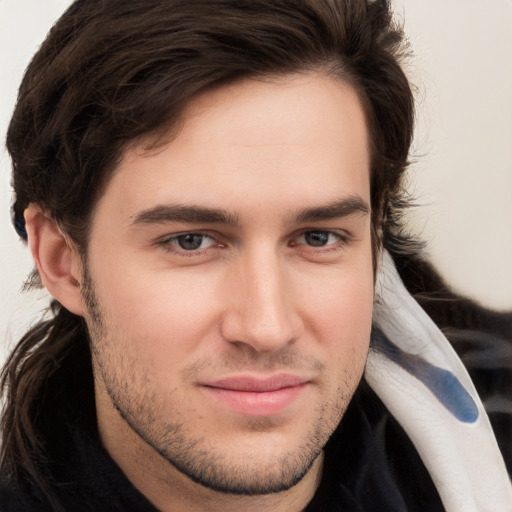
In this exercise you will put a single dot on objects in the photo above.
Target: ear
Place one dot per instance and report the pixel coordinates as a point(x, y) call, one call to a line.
point(57, 260)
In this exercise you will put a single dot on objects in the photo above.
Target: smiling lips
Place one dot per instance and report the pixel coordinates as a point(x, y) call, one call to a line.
point(256, 396)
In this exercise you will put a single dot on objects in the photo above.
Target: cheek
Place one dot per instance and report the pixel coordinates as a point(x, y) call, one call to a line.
point(158, 312)
point(340, 314)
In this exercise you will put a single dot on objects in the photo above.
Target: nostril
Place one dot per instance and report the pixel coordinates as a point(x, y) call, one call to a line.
point(262, 333)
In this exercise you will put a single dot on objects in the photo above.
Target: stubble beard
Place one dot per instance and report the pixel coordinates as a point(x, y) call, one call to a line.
point(137, 401)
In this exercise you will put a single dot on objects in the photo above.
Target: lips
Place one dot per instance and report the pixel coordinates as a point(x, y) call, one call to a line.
point(257, 396)
point(259, 385)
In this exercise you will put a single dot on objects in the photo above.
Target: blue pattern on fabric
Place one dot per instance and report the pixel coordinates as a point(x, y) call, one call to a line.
point(442, 383)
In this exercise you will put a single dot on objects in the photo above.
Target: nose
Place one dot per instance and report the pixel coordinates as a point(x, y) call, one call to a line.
point(262, 311)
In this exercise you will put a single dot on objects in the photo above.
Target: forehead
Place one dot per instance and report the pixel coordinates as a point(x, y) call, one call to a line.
point(303, 134)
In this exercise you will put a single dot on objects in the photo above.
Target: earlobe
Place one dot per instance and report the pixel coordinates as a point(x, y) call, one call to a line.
point(57, 261)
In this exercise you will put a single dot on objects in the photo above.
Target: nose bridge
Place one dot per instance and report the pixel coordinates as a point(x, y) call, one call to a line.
point(262, 313)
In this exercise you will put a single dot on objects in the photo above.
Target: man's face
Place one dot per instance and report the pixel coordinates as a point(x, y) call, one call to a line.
point(230, 286)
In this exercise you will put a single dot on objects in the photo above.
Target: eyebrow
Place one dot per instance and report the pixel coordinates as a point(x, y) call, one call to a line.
point(337, 209)
point(188, 214)
point(191, 214)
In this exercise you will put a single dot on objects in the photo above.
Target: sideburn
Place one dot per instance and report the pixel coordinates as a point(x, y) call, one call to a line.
point(90, 300)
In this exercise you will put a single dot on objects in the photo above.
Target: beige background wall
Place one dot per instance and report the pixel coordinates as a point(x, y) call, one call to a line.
point(463, 147)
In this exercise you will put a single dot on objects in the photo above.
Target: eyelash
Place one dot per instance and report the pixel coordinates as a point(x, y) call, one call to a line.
point(341, 241)
point(167, 245)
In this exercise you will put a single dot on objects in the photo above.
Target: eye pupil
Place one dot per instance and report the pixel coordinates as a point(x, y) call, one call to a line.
point(316, 238)
point(190, 241)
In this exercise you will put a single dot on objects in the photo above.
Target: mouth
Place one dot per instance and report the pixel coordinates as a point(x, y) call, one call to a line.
point(256, 396)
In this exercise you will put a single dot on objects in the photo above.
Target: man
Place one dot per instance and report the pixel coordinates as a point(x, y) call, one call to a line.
point(207, 189)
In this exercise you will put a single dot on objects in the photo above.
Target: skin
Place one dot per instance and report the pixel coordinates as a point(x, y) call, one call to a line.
point(281, 285)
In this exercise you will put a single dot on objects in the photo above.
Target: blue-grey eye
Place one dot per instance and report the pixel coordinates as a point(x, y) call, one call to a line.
point(317, 238)
point(190, 241)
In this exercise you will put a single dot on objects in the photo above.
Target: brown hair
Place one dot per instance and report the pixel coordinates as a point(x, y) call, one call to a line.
point(112, 71)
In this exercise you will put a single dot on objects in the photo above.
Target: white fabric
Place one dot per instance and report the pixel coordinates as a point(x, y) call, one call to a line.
point(462, 457)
